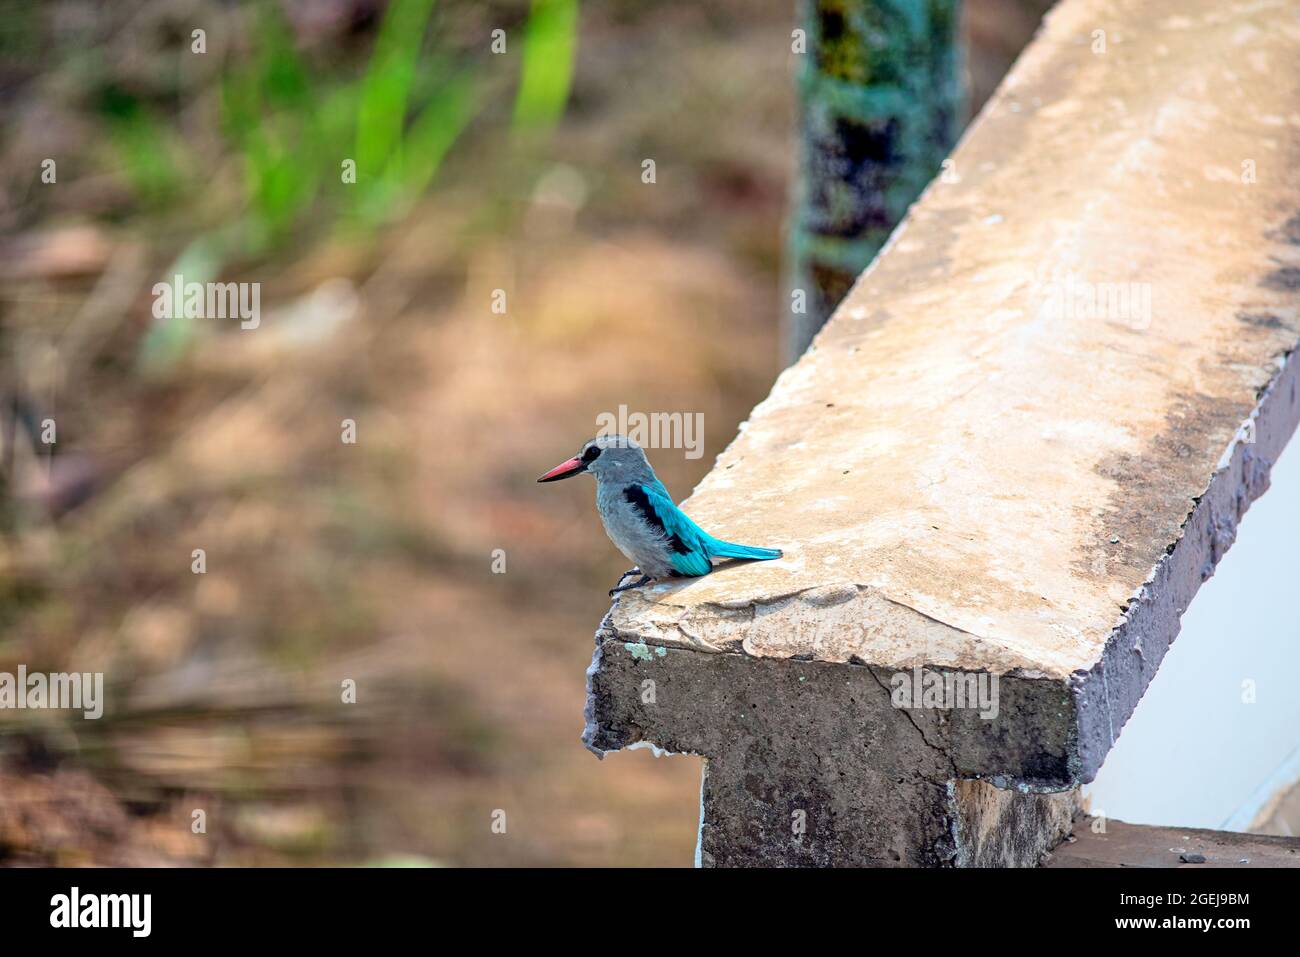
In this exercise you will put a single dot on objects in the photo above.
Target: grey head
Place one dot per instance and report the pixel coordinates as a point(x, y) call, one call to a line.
point(610, 458)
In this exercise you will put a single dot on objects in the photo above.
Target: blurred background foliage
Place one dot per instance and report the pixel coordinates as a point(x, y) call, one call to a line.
point(476, 171)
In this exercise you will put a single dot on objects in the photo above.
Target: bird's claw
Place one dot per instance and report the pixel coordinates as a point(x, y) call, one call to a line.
point(644, 579)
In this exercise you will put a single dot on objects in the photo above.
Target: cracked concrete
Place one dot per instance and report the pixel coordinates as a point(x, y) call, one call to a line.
point(810, 764)
point(1019, 447)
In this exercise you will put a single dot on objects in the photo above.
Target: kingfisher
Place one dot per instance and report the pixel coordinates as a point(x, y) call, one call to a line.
point(640, 518)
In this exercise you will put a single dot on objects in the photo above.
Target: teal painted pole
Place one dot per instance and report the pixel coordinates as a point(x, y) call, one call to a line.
point(881, 105)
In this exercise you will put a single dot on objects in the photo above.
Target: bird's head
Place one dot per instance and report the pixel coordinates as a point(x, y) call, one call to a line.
point(605, 456)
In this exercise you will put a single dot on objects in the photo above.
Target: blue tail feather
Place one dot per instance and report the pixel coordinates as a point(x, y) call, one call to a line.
point(720, 549)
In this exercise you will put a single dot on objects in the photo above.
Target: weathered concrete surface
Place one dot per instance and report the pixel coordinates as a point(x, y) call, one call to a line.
point(973, 469)
point(809, 763)
point(1138, 845)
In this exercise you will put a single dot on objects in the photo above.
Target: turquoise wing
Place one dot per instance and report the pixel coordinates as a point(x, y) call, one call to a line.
point(686, 540)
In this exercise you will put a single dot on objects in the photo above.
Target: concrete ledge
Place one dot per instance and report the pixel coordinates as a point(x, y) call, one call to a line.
point(978, 469)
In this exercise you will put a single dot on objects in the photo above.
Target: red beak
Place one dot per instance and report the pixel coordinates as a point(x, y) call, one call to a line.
point(564, 470)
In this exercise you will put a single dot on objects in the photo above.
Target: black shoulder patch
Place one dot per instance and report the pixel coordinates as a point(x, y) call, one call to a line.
point(638, 499)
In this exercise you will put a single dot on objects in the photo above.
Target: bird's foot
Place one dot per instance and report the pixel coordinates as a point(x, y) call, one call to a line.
point(644, 579)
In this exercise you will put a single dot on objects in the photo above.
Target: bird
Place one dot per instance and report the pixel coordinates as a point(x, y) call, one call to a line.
point(640, 518)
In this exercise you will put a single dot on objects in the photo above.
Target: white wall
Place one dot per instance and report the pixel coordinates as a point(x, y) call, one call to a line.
point(1195, 754)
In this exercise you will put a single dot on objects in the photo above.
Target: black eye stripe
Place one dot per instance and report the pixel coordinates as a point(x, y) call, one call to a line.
point(589, 455)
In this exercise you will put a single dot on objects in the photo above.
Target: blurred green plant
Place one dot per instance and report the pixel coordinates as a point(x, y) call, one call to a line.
point(383, 135)
point(268, 114)
point(297, 127)
point(395, 124)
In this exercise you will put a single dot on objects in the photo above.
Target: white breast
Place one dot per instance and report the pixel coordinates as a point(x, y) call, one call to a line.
point(641, 543)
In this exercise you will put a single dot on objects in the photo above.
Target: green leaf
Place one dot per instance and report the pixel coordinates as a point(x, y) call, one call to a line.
point(387, 84)
point(550, 40)
point(436, 130)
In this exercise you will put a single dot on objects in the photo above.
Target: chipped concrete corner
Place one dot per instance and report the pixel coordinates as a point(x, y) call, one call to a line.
point(970, 475)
